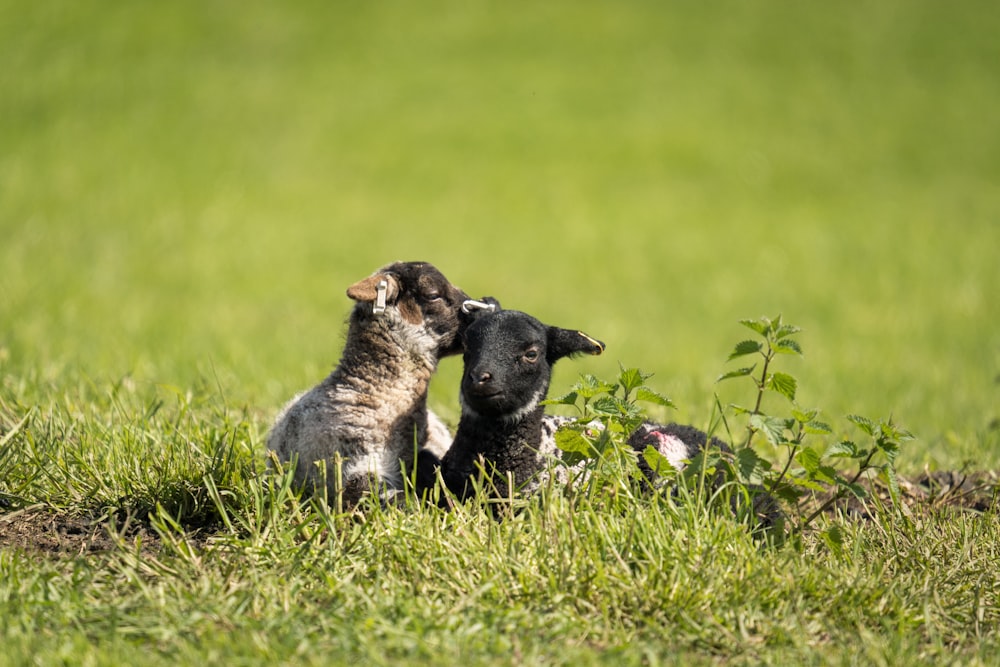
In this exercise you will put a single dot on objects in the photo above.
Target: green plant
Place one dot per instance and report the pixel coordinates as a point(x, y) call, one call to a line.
point(608, 412)
point(807, 479)
point(804, 477)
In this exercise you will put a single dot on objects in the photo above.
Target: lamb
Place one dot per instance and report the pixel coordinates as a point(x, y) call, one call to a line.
point(508, 364)
point(503, 430)
point(372, 409)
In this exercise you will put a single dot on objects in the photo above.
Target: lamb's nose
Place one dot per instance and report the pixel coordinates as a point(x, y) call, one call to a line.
point(484, 377)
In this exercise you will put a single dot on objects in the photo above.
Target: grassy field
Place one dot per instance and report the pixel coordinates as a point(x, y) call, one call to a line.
point(187, 189)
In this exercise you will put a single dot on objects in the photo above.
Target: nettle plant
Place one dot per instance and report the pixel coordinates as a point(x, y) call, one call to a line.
point(608, 413)
point(807, 477)
point(807, 472)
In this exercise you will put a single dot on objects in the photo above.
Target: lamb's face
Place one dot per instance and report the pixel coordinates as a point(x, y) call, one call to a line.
point(508, 362)
point(418, 295)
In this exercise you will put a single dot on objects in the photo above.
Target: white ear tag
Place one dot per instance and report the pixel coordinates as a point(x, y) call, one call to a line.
point(379, 306)
point(470, 305)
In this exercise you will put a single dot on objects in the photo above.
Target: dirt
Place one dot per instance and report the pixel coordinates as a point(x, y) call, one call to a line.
point(38, 529)
point(940, 491)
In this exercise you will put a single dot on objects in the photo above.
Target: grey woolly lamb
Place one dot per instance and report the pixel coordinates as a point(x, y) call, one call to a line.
point(372, 409)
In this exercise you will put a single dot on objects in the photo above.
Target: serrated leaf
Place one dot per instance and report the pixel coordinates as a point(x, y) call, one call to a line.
point(808, 459)
point(788, 346)
point(750, 465)
point(784, 384)
point(744, 348)
point(565, 399)
point(865, 424)
point(704, 461)
point(607, 405)
point(589, 386)
point(761, 326)
point(790, 494)
point(833, 537)
point(659, 463)
point(890, 449)
point(804, 416)
point(844, 448)
point(786, 330)
point(738, 373)
point(773, 428)
point(855, 489)
point(891, 432)
point(818, 428)
point(807, 483)
point(649, 396)
point(826, 474)
point(630, 378)
point(571, 440)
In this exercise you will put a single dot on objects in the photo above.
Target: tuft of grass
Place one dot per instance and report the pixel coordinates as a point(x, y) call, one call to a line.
point(126, 450)
point(558, 582)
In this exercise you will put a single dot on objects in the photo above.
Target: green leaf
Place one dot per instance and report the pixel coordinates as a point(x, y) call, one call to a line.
point(761, 325)
point(807, 483)
point(589, 386)
point(608, 405)
point(565, 399)
point(788, 493)
point(649, 396)
point(571, 440)
point(705, 462)
point(744, 348)
point(804, 416)
point(833, 537)
point(890, 449)
point(891, 432)
point(750, 465)
point(808, 459)
point(784, 384)
point(842, 449)
point(856, 489)
point(827, 474)
point(773, 428)
point(818, 428)
point(786, 330)
point(630, 378)
point(658, 462)
point(742, 372)
point(865, 424)
point(788, 346)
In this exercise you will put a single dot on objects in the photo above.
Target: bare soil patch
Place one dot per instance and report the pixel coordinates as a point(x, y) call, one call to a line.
point(39, 529)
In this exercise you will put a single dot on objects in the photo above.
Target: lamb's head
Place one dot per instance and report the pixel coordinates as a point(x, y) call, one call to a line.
point(418, 296)
point(508, 362)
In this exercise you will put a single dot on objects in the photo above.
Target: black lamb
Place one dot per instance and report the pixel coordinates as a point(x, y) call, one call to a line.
point(503, 430)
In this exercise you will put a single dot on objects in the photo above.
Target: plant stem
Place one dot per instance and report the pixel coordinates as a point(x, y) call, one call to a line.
point(760, 391)
point(840, 492)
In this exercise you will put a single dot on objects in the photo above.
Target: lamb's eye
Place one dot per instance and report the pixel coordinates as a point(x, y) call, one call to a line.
point(531, 356)
point(433, 296)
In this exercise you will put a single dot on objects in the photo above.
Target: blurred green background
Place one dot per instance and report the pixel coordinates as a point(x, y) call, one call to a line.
point(187, 189)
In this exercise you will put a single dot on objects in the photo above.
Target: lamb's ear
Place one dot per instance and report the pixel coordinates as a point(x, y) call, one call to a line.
point(367, 289)
point(566, 342)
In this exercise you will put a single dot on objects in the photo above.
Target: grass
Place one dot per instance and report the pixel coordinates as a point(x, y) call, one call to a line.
point(186, 191)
